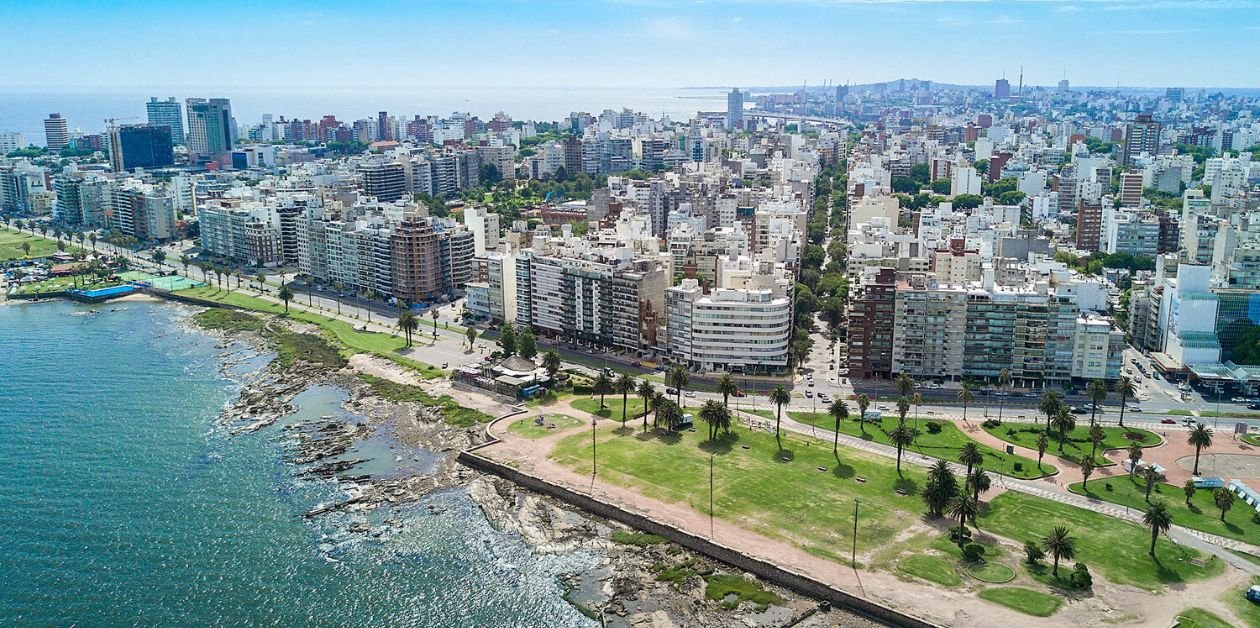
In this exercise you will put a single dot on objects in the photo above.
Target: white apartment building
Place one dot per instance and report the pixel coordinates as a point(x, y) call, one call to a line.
point(743, 331)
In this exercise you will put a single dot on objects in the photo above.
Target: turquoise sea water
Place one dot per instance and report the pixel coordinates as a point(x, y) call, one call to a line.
point(121, 503)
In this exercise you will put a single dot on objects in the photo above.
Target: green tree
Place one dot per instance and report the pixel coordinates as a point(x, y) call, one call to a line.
point(779, 397)
point(1201, 438)
point(471, 335)
point(603, 385)
point(901, 437)
point(1126, 389)
point(1004, 383)
point(1096, 438)
point(1050, 404)
point(679, 378)
point(979, 482)
point(1149, 478)
point(286, 295)
point(727, 386)
point(1042, 443)
point(625, 386)
point(839, 412)
point(715, 415)
point(863, 402)
point(1135, 456)
point(966, 397)
point(1224, 499)
point(904, 384)
point(507, 339)
point(940, 488)
point(1189, 489)
point(1064, 422)
point(528, 348)
point(648, 393)
point(1159, 520)
point(408, 323)
point(1097, 392)
point(1087, 469)
point(964, 507)
point(1060, 545)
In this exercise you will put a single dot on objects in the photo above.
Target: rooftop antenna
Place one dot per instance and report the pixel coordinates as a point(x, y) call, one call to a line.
point(1021, 80)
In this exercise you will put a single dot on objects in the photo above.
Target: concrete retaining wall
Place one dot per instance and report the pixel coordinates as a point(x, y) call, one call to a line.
point(765, 570)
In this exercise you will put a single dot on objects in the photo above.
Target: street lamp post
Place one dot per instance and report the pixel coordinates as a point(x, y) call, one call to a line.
point(710, 496)
point(592, 449)
point(853, 552)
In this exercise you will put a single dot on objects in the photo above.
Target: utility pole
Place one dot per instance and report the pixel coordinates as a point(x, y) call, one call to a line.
point(853, 553)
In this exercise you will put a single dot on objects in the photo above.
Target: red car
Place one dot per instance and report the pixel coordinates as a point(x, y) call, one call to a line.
point(1168, 421)
point(739, 393)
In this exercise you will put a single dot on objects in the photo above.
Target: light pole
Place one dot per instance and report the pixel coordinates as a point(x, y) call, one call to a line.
point(711, 496)
point(853, 552)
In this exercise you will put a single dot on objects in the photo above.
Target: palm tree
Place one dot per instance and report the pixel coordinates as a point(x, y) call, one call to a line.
point(904, 384)
point(408, 323)
point(1224, 499)
point(1050, 403)
point(471, 335)
point(368, 295)
point(1135, 456)
point(183, 259)
point(940, 488)
point(673, 415)
point(979, 482)
point(658, 399)
point(1159, 520)
point(92, 237)
point(970, 455)
point(1097, 392)
point(551, 361)
point(286, 295)
point(863, 402)
point(903, 407)
point(434, 313)
point(159, 256)
point(1004, 382)
point(966, 397)
point(26, 249)
point(727, 387)
point(678, 379)
point(1189, 489)
point(1124, 388)
point(1042, 444)
point(261, 279)
point(964, 507)
point(715, 415)
point(603, 385)
point(1059, 544)
point(1201, 438)
point(1087, 469)
point(839, 412)
point(310, 298)
point(625, 386)
point(901, 437)
point(646, 391)
point(1096, 437)
point(779, 397)
point(1149, 477)
point(1064, 421)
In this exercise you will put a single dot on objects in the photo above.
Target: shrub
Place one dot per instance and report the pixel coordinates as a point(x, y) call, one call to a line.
point(1011, 432)
point(933, 427)
point(1107, 485)
point(1255, 517)
point(957, 532)
point(1033, 553)
point(973, 552)
point(990, 423)
point(1018, 467)
point(1080, 577)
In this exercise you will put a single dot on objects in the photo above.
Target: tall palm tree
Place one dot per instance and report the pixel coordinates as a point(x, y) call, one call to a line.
point(979, 482)
point(964, 507)
point(471, 335)
point(863, 402)
point(1042, 443)
point(1097, 392)
point(678, 379)
point(1201, 438)
point(1087, 469)
point(369, 295)
point(1135, 456)
point(1224, 499)
point(1061, 545)
point(941, 487)
point(1004, 383)
point(904, 384)
point(970, 455)
point(1149, 477)
point(433, 312)
point(966, 397)
point(1159, 520)
point(286, 295)
point(645, 391)
point(673, 415)
point(779, 397)
point(408, 323)
point(551, 362)
point(92, 236)
point(658, 399)
point(1126, 389)
point(625, 386)
point(1064, 421)
point(714, 415)
point(1189, 489)
point(903, 408)
point(901, 437)
point(603, 386)
point(839, 412)
point(1050, 403)
point(726, 386)
point(1096, 438)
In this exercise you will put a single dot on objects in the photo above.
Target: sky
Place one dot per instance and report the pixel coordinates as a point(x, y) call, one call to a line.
point(619, 43)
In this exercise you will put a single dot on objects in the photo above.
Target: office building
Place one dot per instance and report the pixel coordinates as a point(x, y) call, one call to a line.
point(56, 132)
point(211, 129)
point(167, 113)
point(735, 109)
point(140, 146)
point(1002, 89)
point(11, 141)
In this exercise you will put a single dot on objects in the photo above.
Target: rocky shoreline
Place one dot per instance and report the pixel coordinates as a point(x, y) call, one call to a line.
point(644, 583)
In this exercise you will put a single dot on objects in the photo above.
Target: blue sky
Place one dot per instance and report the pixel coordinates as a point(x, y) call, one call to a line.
point(627, 42)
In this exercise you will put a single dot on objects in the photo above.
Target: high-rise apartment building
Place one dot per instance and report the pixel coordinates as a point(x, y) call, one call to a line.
point(140, 146)
point(210, 126)
point(386, 180)
point(1002, 88)
point(735, 109)
point(1140, 136)
point(56, 132)
point(414, 255)
point(741, 331)
point(167, 113)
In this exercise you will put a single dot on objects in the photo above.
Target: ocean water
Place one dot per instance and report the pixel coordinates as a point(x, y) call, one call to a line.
point(23, 109)
point(124, 505)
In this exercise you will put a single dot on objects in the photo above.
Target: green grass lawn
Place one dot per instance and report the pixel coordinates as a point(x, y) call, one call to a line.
point(761, 412)
point(1245, 609)
point(527, 428)
point(1077, 444)
point(11, 242)
point(453, 412)
point(790, 500)
point(612, 407)
point(944, 444)
point(1251, 439)
point(1116, 549)
point(992, 572)
point(61, 284)
point(719, 586)
point(354, 341)
point(228, 320)
point(1026, 601)
point(1201, 514)
point(930, 568)
point(1200, 618)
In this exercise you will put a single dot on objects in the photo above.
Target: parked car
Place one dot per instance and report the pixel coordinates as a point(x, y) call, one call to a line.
point(671, 391)
point(1079, 410)
point(809, 394)
point(739, 393)
point(1253, 594)
point(1168, 421)
point(1253, 406)
point(824, 397)
point(1135, 408)
point(689, 393)
point(636, 363)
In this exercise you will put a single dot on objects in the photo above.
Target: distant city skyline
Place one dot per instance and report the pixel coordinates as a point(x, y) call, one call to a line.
point(648, 43)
